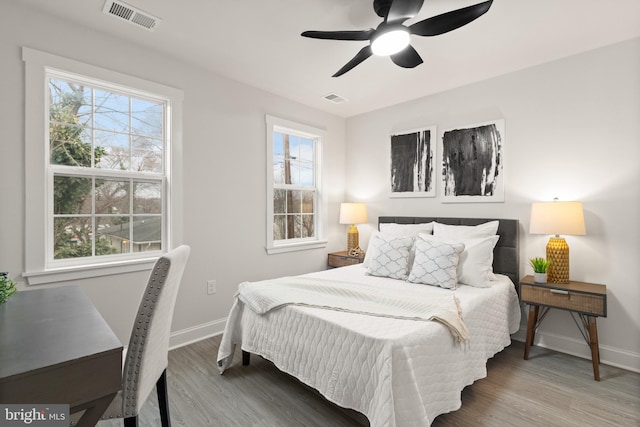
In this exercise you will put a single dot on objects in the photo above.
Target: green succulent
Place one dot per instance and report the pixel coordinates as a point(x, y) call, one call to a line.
point(539, 265)
point(7, 288)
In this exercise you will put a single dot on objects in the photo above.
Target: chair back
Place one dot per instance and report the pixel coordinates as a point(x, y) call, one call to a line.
point(147, 354)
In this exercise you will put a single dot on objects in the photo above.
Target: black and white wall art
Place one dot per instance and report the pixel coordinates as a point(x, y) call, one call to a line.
point(413, 167)
point(472, 161)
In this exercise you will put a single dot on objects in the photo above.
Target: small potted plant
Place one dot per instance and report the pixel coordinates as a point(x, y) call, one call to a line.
point(540, 266)
point(7, 287)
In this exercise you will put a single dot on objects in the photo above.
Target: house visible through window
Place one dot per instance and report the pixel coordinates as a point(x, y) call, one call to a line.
point(106, 165)
point(294, 194)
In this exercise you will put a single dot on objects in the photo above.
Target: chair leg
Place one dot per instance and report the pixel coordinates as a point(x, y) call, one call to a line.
point(163, 400)
point(131, 422)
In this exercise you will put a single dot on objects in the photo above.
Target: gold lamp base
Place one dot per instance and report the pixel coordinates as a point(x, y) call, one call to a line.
point(558, 254)
point(353, 244)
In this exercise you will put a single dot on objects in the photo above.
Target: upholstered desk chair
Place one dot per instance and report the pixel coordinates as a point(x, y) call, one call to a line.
point(146, 358)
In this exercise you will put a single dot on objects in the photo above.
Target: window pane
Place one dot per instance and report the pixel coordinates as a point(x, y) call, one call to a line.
point(147, 197)
point(113, 235)
point(71, 195)
point(294, 223)
point(147, 118)
point(294, 201)
point(307, 226)
point(294, 172)
point(70, 103)
point(147, 234)
point(69, 145)
point(111, 111)
point(279, 201)
point(307, 202)
point(279, 228)
point(278, 144)
point(278, 171)
point(112, 196)
point(147, 154)
point(306, 174)
point(72, 237)
point(306, 150)
point(112, 150)
point(294, 147)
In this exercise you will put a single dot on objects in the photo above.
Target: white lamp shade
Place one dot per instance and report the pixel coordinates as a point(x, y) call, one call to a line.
point(353, 213)
point(557, 218)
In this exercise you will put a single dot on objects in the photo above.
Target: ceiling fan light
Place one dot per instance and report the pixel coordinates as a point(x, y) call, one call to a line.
point(390, 42)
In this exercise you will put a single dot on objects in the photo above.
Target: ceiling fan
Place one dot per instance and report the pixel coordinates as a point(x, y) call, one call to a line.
point(391, 37)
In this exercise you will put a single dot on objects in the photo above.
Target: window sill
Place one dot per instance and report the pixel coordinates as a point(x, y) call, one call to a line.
point(272, 250)
point(85, 272)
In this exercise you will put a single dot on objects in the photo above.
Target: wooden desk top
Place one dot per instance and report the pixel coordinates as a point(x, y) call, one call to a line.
point(56, 348)
point(45, 327)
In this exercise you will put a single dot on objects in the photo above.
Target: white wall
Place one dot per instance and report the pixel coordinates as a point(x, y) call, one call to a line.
point(224, 172)
point(573, 132)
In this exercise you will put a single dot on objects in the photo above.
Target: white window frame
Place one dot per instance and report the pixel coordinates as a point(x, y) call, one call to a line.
point(275, 124)
point(39, 265)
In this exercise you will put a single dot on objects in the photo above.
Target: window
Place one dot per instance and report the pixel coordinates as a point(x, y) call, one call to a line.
point(106, 162)
point(295, 203)
point(100, 201)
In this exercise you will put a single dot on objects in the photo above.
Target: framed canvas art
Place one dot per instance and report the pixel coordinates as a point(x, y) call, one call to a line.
point(413, 167)
point(472, 162)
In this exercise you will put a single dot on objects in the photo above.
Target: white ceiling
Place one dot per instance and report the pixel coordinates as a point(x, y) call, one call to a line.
point(258, 42)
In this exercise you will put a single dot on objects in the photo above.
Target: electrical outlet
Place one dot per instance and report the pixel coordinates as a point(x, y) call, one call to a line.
point(211, 287)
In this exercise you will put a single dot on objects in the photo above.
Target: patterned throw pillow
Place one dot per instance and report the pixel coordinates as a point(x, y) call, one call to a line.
point(390, 256)
point(436, 263)
point(475, 266)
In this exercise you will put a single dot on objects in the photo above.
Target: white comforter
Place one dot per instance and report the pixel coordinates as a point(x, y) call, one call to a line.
point(397, 372)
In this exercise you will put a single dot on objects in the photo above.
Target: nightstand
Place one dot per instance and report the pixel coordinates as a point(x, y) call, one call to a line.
point(586, 300)
point(341, 259)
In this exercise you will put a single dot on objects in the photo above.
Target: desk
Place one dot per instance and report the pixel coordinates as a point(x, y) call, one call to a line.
point(55, 348)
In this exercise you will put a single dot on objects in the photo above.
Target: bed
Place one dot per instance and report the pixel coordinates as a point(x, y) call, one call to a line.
point(396, 370)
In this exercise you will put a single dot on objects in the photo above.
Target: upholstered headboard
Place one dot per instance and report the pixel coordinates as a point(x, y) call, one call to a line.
point(506, 254)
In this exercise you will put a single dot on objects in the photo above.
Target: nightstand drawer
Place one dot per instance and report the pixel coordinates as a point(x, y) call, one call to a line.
point(342, 259)
point(562, 298)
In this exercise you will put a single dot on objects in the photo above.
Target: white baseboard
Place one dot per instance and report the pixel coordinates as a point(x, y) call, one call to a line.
point(196, 333)
point(608, 355)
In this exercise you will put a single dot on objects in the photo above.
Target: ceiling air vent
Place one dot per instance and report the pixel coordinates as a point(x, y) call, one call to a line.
point(336, 99)
point(131, 14)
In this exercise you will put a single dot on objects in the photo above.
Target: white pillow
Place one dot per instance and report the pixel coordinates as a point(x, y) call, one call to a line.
point(462, 232)
point(395, 229)
point(370, 249)
point(390, 256)
point(406, 229)
point(475, 267)
point(436, 263)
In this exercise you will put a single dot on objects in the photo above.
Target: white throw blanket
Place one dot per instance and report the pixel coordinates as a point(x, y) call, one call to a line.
point(264, 296)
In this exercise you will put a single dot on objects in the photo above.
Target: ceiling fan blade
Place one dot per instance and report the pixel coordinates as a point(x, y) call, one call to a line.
point(407, 58)
point(449, 21)
point(364, 53)
point(401, 10)
point(339, 35)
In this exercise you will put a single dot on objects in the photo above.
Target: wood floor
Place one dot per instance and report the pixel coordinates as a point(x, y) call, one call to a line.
point(550, 389)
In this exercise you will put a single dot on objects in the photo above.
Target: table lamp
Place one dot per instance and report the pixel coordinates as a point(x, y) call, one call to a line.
point(557, 218)
point(353, 213)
